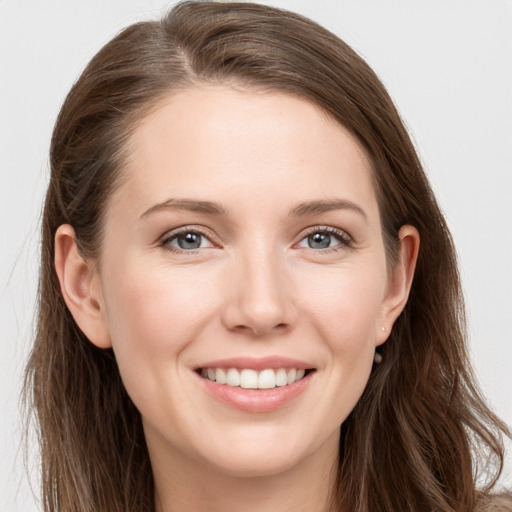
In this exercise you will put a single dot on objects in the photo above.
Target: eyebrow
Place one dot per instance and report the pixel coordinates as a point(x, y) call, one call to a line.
point(327, 205)
point(191, 205)
point(301, 210)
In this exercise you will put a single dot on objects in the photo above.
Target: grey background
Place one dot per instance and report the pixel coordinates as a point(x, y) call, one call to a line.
point(447, 64)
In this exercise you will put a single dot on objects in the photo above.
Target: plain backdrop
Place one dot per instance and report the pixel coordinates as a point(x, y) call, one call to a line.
point(446, 63)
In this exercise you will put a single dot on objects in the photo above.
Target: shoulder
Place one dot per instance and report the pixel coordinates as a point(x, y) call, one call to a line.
point(495, 503)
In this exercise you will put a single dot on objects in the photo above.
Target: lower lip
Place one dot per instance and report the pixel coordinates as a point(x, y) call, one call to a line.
point(257, 400)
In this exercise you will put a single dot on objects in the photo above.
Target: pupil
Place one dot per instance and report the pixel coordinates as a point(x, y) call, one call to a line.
point(319, 240)
point(190, 241)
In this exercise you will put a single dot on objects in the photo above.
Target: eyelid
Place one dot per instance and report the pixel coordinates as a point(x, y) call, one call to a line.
point(174, 233)
point(344, 238)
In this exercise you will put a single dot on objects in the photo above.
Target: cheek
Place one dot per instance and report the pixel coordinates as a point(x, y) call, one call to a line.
point(346, 308)
point(153, 314)
point(347, 316)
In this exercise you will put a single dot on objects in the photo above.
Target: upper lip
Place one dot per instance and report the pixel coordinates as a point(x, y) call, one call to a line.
point(257, 363)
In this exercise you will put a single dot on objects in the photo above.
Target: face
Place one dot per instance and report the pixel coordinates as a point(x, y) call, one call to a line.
point(243, 281)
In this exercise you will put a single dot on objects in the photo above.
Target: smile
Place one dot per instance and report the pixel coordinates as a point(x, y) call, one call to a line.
point(256, 385)
point(252, 379)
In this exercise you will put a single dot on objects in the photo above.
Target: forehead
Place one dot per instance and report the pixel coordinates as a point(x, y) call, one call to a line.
point(217, 140)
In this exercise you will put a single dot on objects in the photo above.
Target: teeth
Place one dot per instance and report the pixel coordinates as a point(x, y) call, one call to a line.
point(220, 376)
point(281, 377)
point(233, 377)
point(251, 379)
point(248, 379)
point(291, 376)
point(267, 379)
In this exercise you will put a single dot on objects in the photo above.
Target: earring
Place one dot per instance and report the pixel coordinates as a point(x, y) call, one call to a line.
point(383, 329)
point(377, 358)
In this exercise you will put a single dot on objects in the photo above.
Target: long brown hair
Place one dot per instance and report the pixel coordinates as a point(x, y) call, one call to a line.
point(421, 434)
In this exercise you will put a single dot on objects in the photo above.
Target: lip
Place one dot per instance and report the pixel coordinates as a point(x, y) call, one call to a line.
point(257, 363)
point(256, 400)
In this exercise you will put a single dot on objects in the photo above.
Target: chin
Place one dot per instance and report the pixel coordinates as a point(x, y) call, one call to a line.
point(264, 454)
point(258, 463)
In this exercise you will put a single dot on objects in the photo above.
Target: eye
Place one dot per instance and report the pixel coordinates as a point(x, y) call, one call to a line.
point(186, 240)
point(325, 238)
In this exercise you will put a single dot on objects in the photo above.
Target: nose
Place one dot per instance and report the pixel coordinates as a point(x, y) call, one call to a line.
point(260, 296)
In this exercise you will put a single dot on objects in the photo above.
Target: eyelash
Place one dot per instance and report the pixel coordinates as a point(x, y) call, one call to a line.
point(344, 239)
point(165, 243)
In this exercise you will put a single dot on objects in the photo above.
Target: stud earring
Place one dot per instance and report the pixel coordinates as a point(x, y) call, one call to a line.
point(383, 329)
point(377, 358)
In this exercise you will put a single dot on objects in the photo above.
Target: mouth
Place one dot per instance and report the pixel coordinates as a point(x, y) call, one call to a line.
point(256, 385)
point(248, 378)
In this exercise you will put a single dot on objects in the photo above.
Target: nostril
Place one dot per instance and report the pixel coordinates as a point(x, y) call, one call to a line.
point(242, 328)
point(260, 330)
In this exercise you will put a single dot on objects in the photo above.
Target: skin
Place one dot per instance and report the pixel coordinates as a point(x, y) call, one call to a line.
point(257, 286)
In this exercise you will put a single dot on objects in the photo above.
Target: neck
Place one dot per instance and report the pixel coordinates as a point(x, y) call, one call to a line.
point(182, 483)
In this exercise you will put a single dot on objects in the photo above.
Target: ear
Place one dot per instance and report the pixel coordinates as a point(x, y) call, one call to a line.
point(399, 281)
point(80, 287)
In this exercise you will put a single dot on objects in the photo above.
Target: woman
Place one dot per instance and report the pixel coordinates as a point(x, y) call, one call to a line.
point(249, 297)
